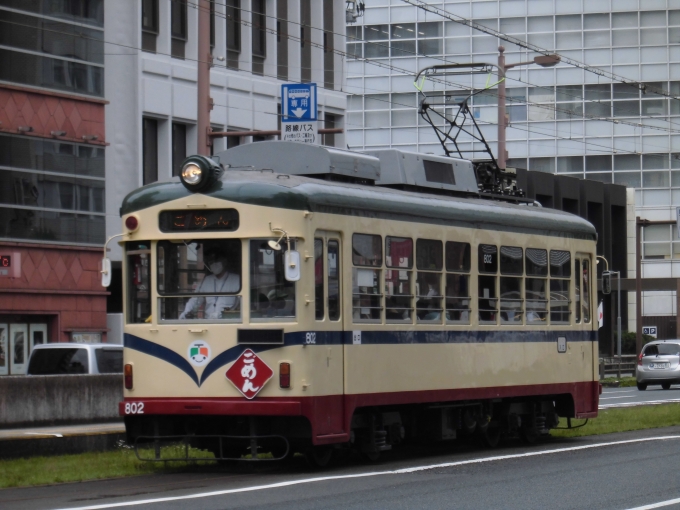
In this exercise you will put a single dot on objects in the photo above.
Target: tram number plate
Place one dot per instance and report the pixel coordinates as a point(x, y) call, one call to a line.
point(134, 407)
point(659, 365)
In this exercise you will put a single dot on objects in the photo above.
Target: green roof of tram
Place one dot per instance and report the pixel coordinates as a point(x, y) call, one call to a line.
point(269, 189)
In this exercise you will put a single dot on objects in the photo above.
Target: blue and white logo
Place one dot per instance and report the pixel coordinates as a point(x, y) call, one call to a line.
point(298, 101)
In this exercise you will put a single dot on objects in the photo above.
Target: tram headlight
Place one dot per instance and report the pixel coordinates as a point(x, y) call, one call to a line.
point(199, 173)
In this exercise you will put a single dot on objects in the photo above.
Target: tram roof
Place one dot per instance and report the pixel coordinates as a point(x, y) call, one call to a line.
point(269, 189)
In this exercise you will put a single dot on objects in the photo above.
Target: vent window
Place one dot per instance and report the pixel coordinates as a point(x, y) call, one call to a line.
point(436, 171)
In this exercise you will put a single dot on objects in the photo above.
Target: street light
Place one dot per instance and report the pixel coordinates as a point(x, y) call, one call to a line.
point(541, 60)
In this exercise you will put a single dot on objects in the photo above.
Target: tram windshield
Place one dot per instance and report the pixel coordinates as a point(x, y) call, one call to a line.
point(199, 280)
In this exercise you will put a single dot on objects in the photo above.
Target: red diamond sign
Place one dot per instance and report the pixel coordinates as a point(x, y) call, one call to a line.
point(249, 374)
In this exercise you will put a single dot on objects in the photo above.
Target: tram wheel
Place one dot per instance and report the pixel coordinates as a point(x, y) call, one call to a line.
point(371, 456)
point(491, 435)
point(666, 386)
point(528, 434)
point(319, 456)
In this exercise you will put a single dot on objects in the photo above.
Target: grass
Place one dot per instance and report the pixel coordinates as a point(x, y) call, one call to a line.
point(123, 462)
point(609, 421)
point(623, 382)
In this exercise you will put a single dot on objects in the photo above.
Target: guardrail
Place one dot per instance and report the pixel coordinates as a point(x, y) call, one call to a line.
point(617, 365)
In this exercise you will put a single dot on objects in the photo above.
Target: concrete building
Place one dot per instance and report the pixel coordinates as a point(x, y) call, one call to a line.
point(563, 120)
point(257, 45)
point(52, 175)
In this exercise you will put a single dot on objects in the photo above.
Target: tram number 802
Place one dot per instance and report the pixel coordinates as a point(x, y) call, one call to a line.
point(310, 338)
point(134, 408)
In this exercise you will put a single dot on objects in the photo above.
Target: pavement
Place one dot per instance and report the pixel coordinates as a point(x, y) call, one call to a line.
point(60, 439)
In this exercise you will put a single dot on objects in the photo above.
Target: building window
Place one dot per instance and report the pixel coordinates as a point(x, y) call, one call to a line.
point(233, 33)
point(329, 122)
point(305, 40)
point(259, 35)
point(178, 27)
point(282, 39)
point(328, 53)
point(149, 25)
point(212, 26)
point(179, 147)
point(150, 150)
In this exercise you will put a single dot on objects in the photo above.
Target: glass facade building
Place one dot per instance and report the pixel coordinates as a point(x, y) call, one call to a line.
point(563, 119)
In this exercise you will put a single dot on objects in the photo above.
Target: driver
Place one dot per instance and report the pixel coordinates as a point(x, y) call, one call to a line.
point(219, 281)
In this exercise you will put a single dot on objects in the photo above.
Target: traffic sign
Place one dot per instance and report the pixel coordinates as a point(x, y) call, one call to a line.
point(249, 374)
point(298, 102)
point(649, 330)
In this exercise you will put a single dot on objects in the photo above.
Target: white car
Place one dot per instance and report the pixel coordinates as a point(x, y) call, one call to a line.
point(659, 363)
point(69, 358)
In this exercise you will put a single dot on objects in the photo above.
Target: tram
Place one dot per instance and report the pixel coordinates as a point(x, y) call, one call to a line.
point(284, 298)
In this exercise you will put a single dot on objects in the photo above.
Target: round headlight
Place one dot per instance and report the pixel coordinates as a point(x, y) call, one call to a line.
point(192, 173)
point(199, 173)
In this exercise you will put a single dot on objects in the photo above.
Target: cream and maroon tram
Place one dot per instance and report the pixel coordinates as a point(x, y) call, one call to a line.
point(301, 298)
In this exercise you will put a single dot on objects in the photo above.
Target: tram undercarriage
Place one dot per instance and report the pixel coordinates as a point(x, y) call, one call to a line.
point(373, 430)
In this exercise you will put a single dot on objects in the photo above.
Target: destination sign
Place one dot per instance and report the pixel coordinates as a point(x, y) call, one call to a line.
point(211, 220)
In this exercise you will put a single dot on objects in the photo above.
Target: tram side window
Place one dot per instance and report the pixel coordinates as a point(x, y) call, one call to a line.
point(560, 274)
point(585, 290)
point(458, 282)
point(511, 286)
point(271, 295)
point(577, 289)
point(486, 298)
point(398, 291)
point(199, 280)
point(367, 259)
point(535, 285)
point(429, 262)
point(139, 281)
point(318, 280)
point(333, 280)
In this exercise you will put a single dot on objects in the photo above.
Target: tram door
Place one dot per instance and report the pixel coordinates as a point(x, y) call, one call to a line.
point(329, 330)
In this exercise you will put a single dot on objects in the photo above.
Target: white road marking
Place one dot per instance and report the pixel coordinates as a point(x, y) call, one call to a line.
point(374, 473)
point(608, 398)
point(657, 505)
point(635, 404)
point(42, 434)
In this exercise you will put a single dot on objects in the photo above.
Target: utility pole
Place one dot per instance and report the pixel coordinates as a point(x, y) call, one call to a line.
point(204, 103)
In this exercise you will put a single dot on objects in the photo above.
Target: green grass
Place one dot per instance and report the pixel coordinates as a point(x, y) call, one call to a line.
point(123, 462)
point(624, 382)
point(84, 466)
point(609, 421)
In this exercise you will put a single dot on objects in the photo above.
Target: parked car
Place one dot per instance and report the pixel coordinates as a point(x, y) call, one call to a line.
point(70, 358)
point(659, 363)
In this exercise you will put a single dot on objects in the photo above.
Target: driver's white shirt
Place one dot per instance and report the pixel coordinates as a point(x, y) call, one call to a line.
point(214, 305)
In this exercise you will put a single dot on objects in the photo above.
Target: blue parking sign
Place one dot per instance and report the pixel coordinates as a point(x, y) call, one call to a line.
point(298, 102)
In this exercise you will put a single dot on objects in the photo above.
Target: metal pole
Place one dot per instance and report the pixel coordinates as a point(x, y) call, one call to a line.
point(618, 308)
point(502, 122)
point(203, 77)
point(638, 286)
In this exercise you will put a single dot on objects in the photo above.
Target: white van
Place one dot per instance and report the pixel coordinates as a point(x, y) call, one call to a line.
point(70, 358)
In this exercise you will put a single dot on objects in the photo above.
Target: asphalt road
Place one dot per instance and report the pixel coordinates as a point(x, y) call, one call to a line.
point(617, 471)
point(630, 397)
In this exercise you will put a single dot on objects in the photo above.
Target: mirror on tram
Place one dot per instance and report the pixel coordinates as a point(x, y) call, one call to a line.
point(106, 272)
point(292, 263)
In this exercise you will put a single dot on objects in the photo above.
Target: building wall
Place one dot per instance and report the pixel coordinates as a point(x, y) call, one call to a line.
point(52, 173)
point(562, 120)
point(163, 88)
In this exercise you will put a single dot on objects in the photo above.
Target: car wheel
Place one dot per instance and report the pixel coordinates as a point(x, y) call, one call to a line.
point(642, 386)
point(666, 386)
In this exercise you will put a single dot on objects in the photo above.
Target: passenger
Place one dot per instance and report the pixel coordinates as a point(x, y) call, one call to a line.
point(220, 281)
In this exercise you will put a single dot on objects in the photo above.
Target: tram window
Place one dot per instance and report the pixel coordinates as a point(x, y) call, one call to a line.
point(458, 257)
point(138, 281)
point(511, 260)
point(577, 289)
point(536, 262)
point(488, 258)
point(199, 280)
point(511, 300)
point(271, 295)
point(458, 298)
point(560, 273)
point(429, 254)
point(318, 279)
point(586, 291)
point(333, 280)
point(487, 300)
point(366, 250)
point(398, 282)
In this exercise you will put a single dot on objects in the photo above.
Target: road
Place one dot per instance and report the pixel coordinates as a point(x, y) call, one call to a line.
point(630, 397)
point(618, 471)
